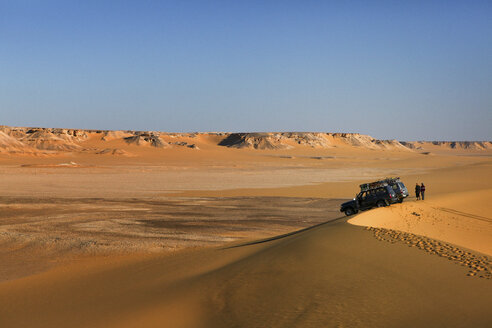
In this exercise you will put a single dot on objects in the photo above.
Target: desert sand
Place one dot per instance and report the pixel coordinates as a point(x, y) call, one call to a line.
point(151, 229)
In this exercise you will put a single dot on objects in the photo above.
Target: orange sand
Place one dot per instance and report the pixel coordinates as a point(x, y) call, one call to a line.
point(334, 274)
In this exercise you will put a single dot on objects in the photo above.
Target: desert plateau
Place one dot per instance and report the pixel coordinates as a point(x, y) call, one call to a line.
point(104, 228)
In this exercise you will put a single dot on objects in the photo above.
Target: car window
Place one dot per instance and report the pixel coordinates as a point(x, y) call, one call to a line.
point(391, 192)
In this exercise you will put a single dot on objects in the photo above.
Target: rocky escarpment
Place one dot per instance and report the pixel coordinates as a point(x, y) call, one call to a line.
point(456, 145)
point(56, 139)
point(11, 145)
point(122, 143)
point(254, 140)
point(145, 138)
point(283, 140)
point(53, 140)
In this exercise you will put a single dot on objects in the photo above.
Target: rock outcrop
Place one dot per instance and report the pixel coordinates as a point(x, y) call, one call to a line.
point(456, 145)
point(283, 140)
point(254, 141)
point(145, 139)
point(102, 142)
point(11, 145)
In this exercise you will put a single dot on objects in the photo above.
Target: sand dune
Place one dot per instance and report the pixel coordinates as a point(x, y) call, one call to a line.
point(334, 274)
point(461, 218)
point(117, 231)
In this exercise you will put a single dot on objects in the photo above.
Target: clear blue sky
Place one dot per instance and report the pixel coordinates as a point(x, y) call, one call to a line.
point(392, 69)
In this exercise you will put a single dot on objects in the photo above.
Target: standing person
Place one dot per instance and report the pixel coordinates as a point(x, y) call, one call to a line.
point(417, 191)
point(422, 190)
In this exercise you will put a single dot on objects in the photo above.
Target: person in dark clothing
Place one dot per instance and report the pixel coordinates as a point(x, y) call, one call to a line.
point(417, 191)
point(422, 190)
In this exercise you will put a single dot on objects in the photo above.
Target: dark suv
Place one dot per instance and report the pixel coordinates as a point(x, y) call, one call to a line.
point(375, 197)
point(395, 183)
point(399, 188)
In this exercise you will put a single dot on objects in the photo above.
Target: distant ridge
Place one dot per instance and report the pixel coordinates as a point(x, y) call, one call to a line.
point(18, 140)
point(463, 145)
point(285, 140)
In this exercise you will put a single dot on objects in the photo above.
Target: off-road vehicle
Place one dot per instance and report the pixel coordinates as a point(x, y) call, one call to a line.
point(377, 196)
point(395, 183)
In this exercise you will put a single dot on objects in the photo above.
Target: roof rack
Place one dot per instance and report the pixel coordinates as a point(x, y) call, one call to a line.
point(392, 180)
point(379, 184)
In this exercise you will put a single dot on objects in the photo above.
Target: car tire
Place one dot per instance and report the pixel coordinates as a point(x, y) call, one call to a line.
point(349, 211)
point(381, 203)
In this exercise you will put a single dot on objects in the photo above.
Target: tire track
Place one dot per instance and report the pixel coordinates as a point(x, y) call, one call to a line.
point(468, 215)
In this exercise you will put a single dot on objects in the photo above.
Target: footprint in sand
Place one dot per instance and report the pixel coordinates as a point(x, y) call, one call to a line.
point(479, 266)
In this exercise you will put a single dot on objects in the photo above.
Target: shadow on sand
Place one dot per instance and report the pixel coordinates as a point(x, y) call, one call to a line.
point(261, 241)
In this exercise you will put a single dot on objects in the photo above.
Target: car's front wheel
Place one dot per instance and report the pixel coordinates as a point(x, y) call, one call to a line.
point(381, 203)
point(349, 211)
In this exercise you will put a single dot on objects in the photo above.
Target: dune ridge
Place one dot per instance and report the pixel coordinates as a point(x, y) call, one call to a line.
point(460, 218)
point(333, 274)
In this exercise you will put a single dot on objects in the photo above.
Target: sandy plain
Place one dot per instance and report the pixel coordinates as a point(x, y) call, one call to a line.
point(215, 236)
